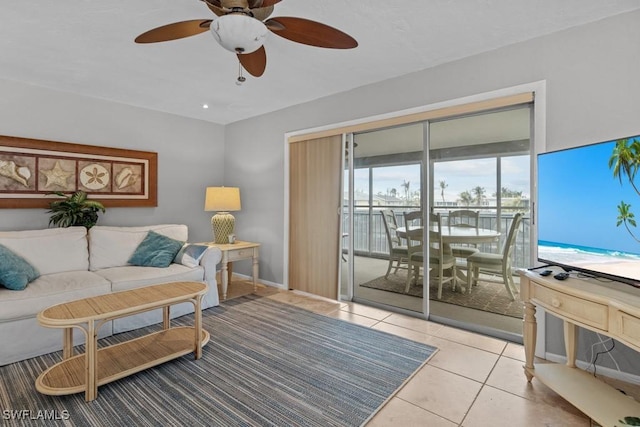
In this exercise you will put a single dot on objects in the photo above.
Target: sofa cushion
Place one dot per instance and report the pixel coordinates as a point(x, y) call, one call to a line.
point(52, 250)
point(113, 246)
point(155, 250)
point(15, 271)
point(131, 277)
point(48, 290)
point(190, 254)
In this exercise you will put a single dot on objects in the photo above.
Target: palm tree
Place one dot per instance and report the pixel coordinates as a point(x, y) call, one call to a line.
point(443, 185)
point(406, 185)
point(625, 160)
point(479, 193)
point(466, 198)
point(627, 217)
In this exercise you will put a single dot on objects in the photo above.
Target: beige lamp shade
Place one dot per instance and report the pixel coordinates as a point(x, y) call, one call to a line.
point(222, 200)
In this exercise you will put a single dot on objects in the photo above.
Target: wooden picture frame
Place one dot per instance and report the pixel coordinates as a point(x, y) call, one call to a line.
point(31, 169)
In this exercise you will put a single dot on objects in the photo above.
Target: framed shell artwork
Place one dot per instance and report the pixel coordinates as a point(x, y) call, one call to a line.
point(31, 169)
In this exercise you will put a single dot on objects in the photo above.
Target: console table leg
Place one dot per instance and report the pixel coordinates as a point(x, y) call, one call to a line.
point(570, 339)
point(529, 336)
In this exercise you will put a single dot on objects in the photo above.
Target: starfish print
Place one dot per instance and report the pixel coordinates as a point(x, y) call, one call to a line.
point(56, 176)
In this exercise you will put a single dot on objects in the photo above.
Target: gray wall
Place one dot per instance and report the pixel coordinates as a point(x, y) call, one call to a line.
point(593, 88)
point(190, 152)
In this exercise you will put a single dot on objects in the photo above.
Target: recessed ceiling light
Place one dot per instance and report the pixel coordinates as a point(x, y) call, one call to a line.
point(205, 106)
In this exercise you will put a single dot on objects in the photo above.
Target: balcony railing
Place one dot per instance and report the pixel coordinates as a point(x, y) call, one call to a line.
point(369, 238)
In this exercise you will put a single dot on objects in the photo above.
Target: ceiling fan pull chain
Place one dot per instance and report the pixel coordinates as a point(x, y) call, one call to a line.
point(241, 78)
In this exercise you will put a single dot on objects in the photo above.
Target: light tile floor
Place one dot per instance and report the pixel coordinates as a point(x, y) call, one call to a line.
point(472, 380)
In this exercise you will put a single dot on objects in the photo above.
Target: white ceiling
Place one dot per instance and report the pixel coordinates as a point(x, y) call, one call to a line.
point(86, 47)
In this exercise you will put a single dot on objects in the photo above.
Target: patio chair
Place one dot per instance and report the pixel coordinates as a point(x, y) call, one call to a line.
point(412, 219)
point(440, 259)
point(397, 251)
point(463, 218)
point(497, 264)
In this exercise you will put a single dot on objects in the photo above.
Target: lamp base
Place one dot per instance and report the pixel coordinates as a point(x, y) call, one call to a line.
point(223, 224)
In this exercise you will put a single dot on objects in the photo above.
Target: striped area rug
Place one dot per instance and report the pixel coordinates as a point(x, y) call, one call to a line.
point(267, 364)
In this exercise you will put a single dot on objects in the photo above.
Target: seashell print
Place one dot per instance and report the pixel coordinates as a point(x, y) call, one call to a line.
point(17, 173)
point(125, 178)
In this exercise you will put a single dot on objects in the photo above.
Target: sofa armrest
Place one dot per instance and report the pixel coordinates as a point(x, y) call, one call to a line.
point(209, 261)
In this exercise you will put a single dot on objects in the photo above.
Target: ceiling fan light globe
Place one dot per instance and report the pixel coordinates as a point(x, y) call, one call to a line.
point(239, 33)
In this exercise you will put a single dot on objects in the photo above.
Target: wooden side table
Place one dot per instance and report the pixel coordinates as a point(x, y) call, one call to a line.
point(235, 252)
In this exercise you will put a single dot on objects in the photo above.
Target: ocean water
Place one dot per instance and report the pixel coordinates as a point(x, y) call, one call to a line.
point(582, 255)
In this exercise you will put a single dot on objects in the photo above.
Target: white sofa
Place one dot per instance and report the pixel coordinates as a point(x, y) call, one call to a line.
point(75, 264)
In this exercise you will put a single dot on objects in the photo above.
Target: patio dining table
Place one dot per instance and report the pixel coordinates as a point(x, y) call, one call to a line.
point(453, 234)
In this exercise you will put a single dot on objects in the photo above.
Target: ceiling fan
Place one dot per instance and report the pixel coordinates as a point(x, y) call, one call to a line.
point(242, 26)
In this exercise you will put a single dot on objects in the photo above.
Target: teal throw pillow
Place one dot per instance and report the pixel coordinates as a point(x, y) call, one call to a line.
point(15, 271)
point(155, 250)
point(190, 254)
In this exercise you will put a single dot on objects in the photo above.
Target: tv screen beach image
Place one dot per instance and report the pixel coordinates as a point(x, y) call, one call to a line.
point(586, 205)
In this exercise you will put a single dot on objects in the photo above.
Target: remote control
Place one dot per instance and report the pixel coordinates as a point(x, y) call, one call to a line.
point(546, 273)
point(561, 276)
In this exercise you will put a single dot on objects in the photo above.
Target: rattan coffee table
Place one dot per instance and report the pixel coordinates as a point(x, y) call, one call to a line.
point(96, 367)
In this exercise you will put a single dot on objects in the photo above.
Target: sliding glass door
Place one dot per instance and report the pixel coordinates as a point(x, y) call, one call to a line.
point(476, 162)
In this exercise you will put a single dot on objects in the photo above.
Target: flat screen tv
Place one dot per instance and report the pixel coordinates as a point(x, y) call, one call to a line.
point(589, 209)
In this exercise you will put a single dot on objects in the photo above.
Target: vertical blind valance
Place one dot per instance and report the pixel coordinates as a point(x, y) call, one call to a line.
point(433, 114)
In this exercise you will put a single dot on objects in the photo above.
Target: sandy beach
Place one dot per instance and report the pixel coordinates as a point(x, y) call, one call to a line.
point(627, 268)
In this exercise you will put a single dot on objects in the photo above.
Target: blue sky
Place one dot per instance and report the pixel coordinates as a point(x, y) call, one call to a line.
point(578, 198)
point(462, 175)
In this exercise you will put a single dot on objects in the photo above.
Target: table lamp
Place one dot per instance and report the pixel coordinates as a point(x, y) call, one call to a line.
point(222, 200)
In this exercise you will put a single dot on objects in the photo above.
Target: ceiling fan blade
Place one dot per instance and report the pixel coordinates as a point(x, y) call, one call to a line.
point(311, 33)
point(177, 30)
point(254, 62)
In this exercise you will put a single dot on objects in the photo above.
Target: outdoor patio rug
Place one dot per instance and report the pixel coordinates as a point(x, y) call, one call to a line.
point(267, 364)
point(486, 296)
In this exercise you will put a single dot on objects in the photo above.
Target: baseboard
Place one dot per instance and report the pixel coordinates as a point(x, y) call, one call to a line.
point(264, 282)
point(601, 370)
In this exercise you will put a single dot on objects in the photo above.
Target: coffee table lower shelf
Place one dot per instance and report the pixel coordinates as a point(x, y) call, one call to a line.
point(119, 360)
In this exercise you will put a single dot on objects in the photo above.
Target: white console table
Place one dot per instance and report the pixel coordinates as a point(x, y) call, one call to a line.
point(611, 309)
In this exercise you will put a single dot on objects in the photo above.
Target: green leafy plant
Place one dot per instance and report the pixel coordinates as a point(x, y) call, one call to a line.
point(74, 210)
point(630, 421)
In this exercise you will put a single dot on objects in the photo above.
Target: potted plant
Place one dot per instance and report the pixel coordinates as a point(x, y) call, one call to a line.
point(74, 209)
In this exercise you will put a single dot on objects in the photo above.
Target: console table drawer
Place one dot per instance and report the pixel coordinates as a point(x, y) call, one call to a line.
point(627, 327)
point(582, 310)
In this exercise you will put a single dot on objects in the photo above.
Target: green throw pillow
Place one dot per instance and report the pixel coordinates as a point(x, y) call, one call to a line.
point(15, 271)
point(155, 250)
